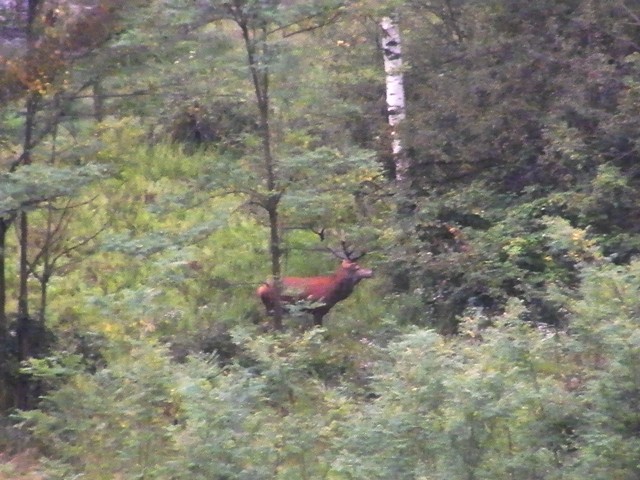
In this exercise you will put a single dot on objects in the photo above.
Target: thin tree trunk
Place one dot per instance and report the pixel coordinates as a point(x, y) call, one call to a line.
point(274, 197)
point(23, 327)
point(98, 101)
point(5, 397)
point(3, 287)
point(23, 226)
point(24, 331)
point(274, 240)
point(44, 284)
point(260, 79)
point(23, 291)
point(392, 52)
point(47, 267)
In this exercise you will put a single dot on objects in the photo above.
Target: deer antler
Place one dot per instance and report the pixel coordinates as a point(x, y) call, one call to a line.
point(319, 232)
point(347, 253)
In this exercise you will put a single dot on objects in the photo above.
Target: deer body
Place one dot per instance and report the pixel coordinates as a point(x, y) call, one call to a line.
point(321, 292)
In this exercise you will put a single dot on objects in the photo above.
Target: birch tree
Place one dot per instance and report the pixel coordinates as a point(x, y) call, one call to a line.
point(392, 52)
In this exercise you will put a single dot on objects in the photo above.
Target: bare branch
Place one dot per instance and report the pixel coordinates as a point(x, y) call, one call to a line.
point(309, 28)
point(631, 13)
point(81, 243)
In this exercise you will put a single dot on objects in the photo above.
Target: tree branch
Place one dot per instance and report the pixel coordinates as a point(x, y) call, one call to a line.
point(324, 22)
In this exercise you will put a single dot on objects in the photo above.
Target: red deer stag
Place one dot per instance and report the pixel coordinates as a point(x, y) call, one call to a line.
point(319, 293)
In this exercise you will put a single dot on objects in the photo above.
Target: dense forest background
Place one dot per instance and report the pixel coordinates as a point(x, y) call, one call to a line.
point(160, 158)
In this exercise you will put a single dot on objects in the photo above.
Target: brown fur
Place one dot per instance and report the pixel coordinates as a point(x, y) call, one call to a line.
point(323, 290)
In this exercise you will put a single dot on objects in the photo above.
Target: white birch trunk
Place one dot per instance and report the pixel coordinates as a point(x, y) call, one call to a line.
point(391, 49)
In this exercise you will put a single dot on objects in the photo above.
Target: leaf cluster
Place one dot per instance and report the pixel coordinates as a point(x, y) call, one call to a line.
point(30, 185)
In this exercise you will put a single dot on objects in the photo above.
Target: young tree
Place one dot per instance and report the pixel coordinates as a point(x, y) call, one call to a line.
point(22, 191)
point(260, 23)
point(56, 248)
point(41, 44)
point(254, 21)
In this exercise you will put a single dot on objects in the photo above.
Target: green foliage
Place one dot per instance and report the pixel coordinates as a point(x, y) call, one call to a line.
point(270, 420)
point(487, 407)
point(510, 400)
point(114, 422)
point(31, 185)
point(499, 337)
point(196, 420)
point(501, 138)
point(504, 398)
point(604, 326)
